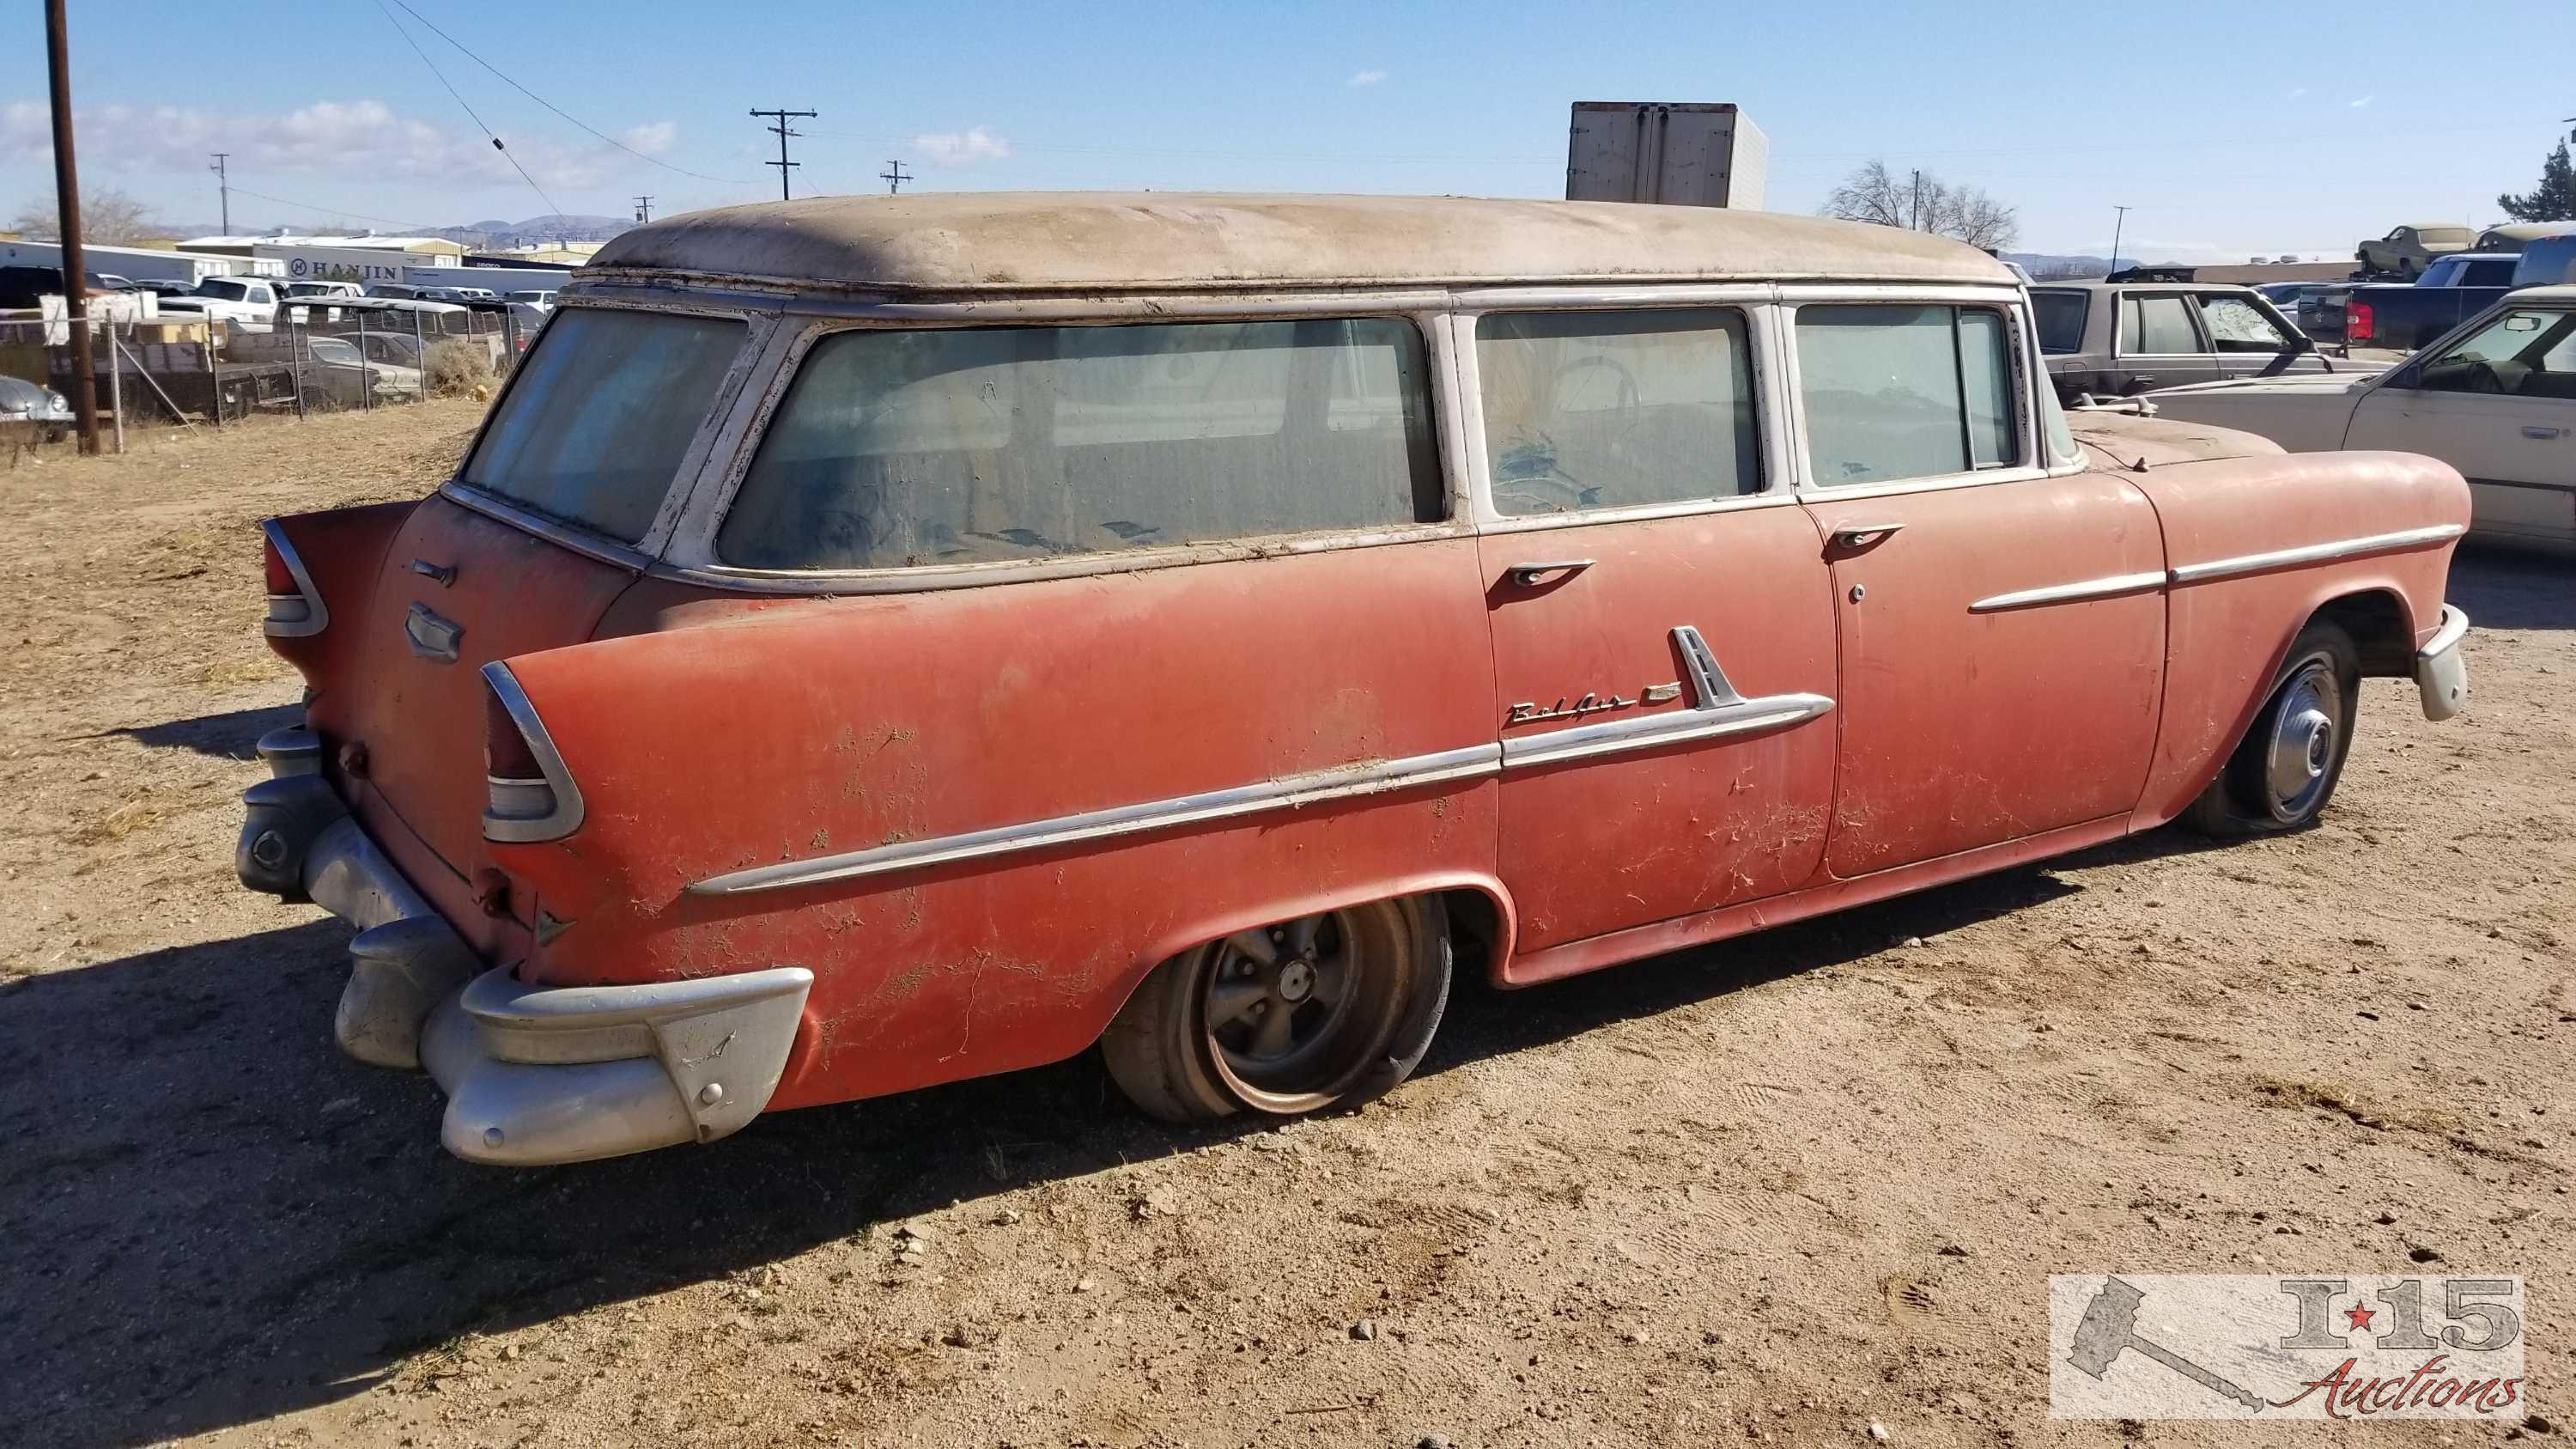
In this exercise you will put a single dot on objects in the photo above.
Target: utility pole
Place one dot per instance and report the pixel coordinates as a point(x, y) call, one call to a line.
point(2116, 224)
point(895, 176)
point(1917, 205)
point(58, 49)
point(224, 185)
point(782, 163)
point(643, 209)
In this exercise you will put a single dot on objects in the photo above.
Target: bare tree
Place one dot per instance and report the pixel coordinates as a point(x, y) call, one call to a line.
point(109, 218)
point(1918, 201)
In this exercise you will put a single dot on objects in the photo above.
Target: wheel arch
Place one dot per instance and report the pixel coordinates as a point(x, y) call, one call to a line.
point(2382, 629)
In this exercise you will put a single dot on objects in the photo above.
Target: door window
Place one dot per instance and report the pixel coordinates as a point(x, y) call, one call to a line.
point(2060, 316)
point(1588, 410)
point(1905, 392)
point(2236, 325)
point(905, 447)
point(2157, 326)
point(2527, 352)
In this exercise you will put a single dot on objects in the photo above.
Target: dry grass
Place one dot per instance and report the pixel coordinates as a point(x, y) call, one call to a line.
point(457, 368)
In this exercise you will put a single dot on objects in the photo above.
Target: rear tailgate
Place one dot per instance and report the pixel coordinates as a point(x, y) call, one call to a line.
point(456, 591)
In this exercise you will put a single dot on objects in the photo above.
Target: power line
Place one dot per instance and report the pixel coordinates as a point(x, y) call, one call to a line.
point(643, 209)
point(894, 177)
point(560, 111)
point(551, 208)
point(782, 163)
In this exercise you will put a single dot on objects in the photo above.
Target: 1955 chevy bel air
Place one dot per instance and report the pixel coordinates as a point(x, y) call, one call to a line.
point(874, 642)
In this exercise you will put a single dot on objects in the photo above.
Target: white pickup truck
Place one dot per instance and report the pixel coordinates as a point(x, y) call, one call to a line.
point(246, 303)
point(2495, 398)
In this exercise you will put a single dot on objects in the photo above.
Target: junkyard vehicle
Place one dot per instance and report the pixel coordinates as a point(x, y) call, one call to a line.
point(2517, 236)
point(2405, 316)
point(2409, 249)
point(39, 411)
point(2115, 339)
point(2495, 399)
point(345, 377)
point(880, 641)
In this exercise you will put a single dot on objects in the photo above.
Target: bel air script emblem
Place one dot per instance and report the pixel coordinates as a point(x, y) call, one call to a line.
point(1590, 703)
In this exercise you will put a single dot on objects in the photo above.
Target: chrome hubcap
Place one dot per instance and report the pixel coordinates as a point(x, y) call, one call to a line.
point(2302, 744)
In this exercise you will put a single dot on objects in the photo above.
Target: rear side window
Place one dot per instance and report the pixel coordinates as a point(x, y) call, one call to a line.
point(2060, 316)
point(898, 448)
point(1905, 392)
point(1591, 410)
point(592, 429)
point(2236, 325)
point(2159, 326)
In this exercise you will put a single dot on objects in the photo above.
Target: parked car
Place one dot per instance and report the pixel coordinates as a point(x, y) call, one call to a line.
point(546, 297)
point(2106, 339)
point(244, 302)
point(2548, 261)
point(2517, 236)
point(2409, 249)
point(2405, 316)
point(2321, 308)
point(41, 410)
point(1193, 623)
point(2496, 399)
point(166, 286)
point(23, 287)
point(324, 289)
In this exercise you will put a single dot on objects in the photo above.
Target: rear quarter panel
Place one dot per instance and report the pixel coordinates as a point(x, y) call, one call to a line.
point(756, 733)
point(2227, 636)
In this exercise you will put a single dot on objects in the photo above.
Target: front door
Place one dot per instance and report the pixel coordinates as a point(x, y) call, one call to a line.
point(1663, 638)
point(2250, 342)
point(2001, 630)
point(2500, 406)
point(2161, 343)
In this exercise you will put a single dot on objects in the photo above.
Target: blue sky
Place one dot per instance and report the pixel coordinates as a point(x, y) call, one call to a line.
point(2229, 129)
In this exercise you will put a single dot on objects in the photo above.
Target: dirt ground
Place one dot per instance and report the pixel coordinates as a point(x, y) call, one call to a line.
point(1772, 1191)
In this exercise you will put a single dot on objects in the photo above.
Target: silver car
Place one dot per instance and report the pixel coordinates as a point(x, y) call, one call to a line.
point(48, 412)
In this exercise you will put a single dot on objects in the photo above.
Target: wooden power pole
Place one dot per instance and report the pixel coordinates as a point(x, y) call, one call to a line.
point(84, 387)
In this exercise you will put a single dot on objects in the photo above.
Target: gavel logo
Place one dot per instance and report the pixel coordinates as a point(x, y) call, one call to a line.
point(2109, 1329)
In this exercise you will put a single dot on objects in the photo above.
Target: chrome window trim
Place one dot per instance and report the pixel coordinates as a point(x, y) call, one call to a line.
point(566, 817)
point(690, 554)
point(552, 530)
point(1289, 792)
point(2111, 587)
point(1752, 303)
point(2315, 553)
point(317, 614)
point(2027, 379)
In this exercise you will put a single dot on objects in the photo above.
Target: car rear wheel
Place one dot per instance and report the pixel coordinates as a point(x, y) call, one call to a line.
point(1319, 1011)
point(2284, 771)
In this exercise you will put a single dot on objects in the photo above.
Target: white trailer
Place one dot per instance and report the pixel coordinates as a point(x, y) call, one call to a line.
point(139, 264)
point(1679, 154)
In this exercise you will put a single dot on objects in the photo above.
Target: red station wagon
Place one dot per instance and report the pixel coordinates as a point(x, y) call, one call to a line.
point(875, 642)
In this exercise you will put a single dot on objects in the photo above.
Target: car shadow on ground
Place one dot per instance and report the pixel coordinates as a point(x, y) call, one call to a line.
point(209, 1217)
point(2507, 588)
point(232, 735)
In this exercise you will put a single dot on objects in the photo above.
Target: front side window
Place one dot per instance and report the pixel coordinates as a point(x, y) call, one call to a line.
point(1901, 391)
point(1587, 410)
point(900, 448)
point(2528, 352)
point(593, 427)
point(2236, 325)
point(2157, 326)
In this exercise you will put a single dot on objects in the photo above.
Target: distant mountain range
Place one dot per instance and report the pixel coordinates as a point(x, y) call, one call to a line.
point(568, 227)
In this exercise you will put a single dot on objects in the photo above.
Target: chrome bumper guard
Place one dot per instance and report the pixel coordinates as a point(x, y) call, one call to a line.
point(2441, 675)
point(532, 1074)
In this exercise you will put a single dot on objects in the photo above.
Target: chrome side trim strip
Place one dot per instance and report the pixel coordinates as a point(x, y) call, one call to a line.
point(566, 816)
point(283, 622)
point(1286, 793)
point(2102, 588)
point(2255, 563)
point(1585, 742)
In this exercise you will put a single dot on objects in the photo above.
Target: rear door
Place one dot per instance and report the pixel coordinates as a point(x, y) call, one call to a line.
point(2500, 406)
point(2001, 626)
point(2250, 339)
point(1662, 638)
point(2160, 341)
point(549, 519)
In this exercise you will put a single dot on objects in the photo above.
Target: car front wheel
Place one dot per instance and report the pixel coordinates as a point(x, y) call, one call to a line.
point(2284, 771)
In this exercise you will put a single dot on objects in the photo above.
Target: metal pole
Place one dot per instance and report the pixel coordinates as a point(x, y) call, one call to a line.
point(116, 383)
point(2116, 225)
point(67, 199)
point(366, 369)
point(295, 359)
point(214, 379)
point(419, 359)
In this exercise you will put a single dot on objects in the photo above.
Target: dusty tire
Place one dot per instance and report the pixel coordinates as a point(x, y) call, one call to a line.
point(1361, 991)
point(2281, 775)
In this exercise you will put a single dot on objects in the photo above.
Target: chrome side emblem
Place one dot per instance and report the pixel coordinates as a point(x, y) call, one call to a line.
point(1526, 713)
point(431, 636)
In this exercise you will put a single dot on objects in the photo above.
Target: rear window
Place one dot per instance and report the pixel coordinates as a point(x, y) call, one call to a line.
point(1905, 392)
point(898, 448)
point(2060, 316)
point(592, 429)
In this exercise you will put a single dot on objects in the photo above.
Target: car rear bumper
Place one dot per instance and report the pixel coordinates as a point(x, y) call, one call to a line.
point(2441, 674)
point(533, 1074)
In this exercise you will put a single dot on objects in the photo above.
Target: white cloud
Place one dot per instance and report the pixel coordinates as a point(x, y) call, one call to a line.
point(1365, 78)
point(352, 140)
point(962, 148)
point(2297, 91)
point(2365, 100)
point(652, 139)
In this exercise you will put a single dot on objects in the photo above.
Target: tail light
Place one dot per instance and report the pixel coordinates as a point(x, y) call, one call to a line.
point(532, 796)
point(2358, 323)
point(294, 606)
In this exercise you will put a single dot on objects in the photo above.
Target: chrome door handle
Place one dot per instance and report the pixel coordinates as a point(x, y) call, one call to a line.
point(1526, 574)
point(2536, 431)
point(1854, 534)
